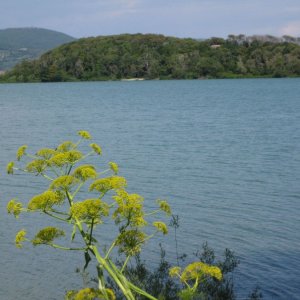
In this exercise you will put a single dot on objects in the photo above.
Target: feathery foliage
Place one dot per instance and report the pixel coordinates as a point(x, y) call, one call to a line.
point(67, 177)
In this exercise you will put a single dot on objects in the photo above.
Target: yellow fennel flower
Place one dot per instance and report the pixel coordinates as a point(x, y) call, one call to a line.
point(104, 185)
point(47, 235)
point(161, 226)
point(114, 167)
point(97, 149)
point(14, 208)
point(21, 152)
point(164, 206)
point(84, 134)
point(85, 172)
point(46, 200)
point(64, 183)
point(20, 237)
point(10, 168)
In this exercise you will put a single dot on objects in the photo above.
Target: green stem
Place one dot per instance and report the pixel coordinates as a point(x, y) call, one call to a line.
point(110, 249)
point(69, 171)
point(31, 156)
point(127, 293)
point(125, 263)
point(87, 155)
point(84, 236)
point(56, 217)
point(153, 213)
point(140, 291)
point(91, 232)
point(78, 143)
point(103, 172)
point(77, 190)
point(54, 171)
point(66, 248)
point(59, 212)
point(195, 285)
point(47, 177)
point(69, 198)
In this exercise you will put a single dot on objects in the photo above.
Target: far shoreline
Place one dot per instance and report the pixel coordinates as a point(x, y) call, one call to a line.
point(154, 79)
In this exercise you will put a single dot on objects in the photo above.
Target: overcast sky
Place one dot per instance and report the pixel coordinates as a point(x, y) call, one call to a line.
point(182, 18)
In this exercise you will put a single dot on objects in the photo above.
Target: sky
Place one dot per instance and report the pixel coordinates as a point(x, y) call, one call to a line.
point(181, 18)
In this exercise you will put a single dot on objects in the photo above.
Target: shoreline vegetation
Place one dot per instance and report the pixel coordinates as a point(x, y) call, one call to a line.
point(138, 57)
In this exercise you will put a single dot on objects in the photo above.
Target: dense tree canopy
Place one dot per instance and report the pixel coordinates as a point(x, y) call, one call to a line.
point(156, 56)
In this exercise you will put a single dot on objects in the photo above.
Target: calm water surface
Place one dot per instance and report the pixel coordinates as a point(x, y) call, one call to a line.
point(225, 153)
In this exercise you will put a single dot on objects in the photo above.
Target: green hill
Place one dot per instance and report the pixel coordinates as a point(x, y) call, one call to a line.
point(156, 56)
point(17, 44)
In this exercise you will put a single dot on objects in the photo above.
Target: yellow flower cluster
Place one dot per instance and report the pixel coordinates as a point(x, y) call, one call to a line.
point(164, 206)
point(20, 237)
point(114, 167)
point(90, 209)
point(21, 152)
point(46, 153)
point(36, 166)
point(130, 209)
point(161, 226)
point(47, 235)
point(10, 168)
point(46, 200)
point(64, 183)
point(131, 241)
point(63, 158)
point(85, 172)
point(14, 207)
point(97, 149)
point(91, 294)
point(66, 146)
point(196, 271)
point(84, 134)
point(175, 271)
point(104, 185)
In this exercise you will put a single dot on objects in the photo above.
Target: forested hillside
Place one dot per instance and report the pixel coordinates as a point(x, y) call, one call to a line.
point(156, 56)
point(17, 44)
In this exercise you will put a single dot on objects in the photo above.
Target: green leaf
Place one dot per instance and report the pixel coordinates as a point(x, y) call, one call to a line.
point(73, 233)
point(87, 258)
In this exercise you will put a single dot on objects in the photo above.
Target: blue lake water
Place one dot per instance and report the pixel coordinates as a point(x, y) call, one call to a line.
point(225, 153)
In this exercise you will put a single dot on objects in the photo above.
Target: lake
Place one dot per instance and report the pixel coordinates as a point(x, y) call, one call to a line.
point(225, 153)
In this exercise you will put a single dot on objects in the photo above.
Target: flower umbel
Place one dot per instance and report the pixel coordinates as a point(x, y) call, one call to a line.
point(85, 172)
point(64, 183)
point(47, 235)
point(164, 206)
point(97, 149)
point(104, 185)
point(161, 226)
point(174, 271)
point(14, 208)
point(20, 237)
point(130, 241)
point(130, 209)
point(46, 153)
point(46, 200)
point(10, 168)
point(66, 146)
point(198, 270)
point(90, 209)
point(91, 294)
point(21, 152)
point(37, 166)
point(114, 167)
point(84, 134)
